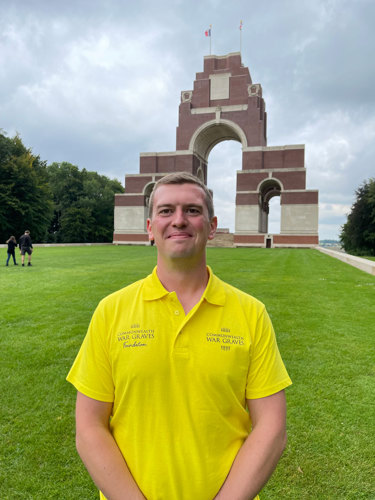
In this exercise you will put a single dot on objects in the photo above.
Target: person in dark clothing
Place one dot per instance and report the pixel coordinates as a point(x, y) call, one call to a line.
point(26, 246)
point(12, 244)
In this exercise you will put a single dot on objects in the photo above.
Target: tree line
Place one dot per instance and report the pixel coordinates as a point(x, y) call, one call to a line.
point(58, 203)
point(358, 233)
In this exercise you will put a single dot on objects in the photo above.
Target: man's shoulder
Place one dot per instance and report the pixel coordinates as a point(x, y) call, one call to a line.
point(24, 238)
point(128, 292)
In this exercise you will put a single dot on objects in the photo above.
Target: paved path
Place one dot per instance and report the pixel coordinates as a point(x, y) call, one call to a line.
point(363, 264)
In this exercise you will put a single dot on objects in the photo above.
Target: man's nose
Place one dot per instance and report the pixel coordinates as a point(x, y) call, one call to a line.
point(179, 218)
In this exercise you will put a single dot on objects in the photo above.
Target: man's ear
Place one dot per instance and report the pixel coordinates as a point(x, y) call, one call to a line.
point(149, 230)
point(213, 227)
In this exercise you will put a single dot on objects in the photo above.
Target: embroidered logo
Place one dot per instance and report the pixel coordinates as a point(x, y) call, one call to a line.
point(136, 336)
point(225, 339)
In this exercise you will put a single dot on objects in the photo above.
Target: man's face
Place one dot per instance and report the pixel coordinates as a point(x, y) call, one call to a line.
point(180, 224)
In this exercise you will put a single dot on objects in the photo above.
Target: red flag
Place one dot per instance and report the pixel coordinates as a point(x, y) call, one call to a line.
point(208, 32)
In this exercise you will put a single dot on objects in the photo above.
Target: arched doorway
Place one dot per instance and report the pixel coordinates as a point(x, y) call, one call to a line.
point(274, 216)
point(223, 162)
point(267, 190)
point(219, 144)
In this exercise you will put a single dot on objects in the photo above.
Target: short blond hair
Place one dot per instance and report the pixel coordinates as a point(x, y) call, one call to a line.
point(183, 178)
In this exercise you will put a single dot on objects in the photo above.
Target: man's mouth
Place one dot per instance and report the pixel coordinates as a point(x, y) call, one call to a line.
point(179, 235)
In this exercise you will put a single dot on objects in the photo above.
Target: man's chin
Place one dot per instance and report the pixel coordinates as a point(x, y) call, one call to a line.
point(182, 252)
point(181, 248)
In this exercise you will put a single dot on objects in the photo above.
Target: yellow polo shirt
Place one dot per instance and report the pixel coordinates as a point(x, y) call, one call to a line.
point(179, 383)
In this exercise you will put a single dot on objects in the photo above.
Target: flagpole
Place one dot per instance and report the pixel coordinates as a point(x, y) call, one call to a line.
point(208, 33)
point(241, 24)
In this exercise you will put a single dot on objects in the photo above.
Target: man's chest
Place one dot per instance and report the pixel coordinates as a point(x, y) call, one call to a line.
point(210, 346)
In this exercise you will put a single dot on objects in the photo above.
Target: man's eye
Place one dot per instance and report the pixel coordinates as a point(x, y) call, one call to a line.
point(165, 211)
point(192, 210)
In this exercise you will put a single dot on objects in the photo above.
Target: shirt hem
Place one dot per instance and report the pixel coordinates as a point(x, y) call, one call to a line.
point(269, 392)
point(105, 398)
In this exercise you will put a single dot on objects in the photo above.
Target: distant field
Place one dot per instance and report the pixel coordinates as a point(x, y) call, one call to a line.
point(323, 311)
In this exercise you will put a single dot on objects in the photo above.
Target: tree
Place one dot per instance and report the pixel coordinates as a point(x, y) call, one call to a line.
point(25, 197)
point(358, 233)
point(58, 203)
point(83, 204)
point(66, 186)
point(99, 192)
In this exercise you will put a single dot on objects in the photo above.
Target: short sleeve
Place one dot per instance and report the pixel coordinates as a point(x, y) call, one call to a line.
point(91, 373)
point(267, 373)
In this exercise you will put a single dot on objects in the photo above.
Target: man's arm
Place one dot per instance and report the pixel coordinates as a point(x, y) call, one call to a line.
point(99, 451)
point(258, 456)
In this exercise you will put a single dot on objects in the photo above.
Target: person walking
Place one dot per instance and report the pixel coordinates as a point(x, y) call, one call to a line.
point(12, 244)
point(180, 383)
point(26, 246)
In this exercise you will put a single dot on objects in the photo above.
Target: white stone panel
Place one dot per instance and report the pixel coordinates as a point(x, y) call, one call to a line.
point(219, 86)
point(299, 219)
point(129, 219)
point(247, 219)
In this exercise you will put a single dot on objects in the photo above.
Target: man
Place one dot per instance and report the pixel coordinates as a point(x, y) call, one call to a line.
point(26, 246)
point(171, 364)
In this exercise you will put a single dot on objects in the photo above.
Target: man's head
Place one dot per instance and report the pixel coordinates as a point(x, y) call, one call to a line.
point(182, 178)
point(181, 217)
point(27, 231)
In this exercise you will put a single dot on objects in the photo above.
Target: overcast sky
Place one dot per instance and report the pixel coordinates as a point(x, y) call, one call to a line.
point(97, 82)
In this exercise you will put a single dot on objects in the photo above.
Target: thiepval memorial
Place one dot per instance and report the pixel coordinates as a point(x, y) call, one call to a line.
point(225, 105)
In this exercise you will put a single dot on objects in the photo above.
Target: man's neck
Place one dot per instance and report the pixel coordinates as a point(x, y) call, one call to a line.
point(187, 281)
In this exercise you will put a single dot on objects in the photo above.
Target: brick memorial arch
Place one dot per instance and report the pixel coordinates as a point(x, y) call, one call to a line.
point(226, 105)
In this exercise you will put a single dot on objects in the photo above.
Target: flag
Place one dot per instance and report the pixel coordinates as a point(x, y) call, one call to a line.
point(208, 32)
point(241, 24)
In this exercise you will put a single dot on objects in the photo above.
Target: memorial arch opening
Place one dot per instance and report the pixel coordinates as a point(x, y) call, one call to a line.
point(274, 221)
point(225, 104)
point(267, 190)
point(223, 163)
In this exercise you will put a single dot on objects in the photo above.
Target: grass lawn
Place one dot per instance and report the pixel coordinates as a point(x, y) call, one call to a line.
point(323, 311)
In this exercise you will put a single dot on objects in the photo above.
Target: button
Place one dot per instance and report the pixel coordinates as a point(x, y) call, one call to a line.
point(177, 312)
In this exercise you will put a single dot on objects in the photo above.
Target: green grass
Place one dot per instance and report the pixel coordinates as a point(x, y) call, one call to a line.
point(323, 313)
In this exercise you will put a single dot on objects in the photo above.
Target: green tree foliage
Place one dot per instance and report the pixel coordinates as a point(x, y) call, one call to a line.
point(57, 203)
point(25, 197)
point(83, 204)
point(358, 233)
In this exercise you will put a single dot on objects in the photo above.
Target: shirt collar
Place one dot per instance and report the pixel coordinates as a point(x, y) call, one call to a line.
point(152, 287)
point(214, 292)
